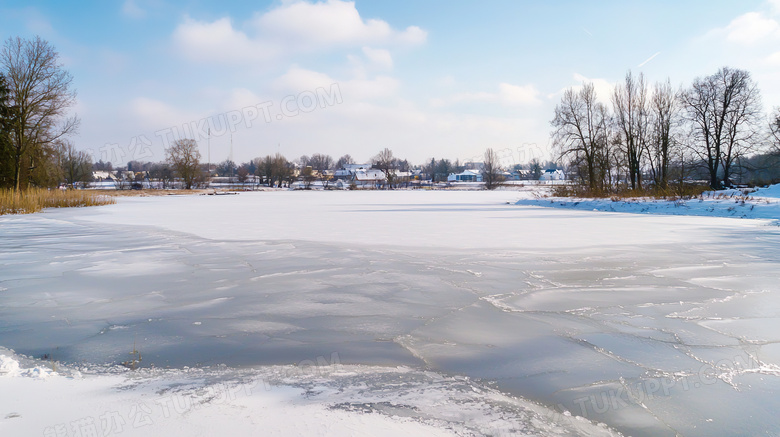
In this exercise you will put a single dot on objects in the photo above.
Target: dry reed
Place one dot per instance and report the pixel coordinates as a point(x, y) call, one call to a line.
point(35, 199)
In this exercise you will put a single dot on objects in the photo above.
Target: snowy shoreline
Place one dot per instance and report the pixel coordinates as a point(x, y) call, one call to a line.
point(278, 400)
point(761, 204)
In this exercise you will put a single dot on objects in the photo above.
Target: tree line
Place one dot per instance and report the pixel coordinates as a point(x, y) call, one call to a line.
point(646, 137)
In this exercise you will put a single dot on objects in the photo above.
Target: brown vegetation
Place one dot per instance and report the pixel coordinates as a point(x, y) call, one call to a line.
point(673, 192)
point(35, 199)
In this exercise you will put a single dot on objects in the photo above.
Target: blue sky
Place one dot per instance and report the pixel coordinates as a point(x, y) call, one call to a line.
point(425, 78)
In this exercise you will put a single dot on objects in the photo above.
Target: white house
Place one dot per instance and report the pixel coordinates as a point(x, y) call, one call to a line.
point(369, 178)
point(553, 175)
point(465, 176)
point(349, 170)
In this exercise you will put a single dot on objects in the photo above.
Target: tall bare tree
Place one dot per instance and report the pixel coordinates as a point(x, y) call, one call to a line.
point(184, 158)
point(491, 169)
point(6, 151)
point(630, 106)
point(742, 121)
point(386, 162)
point(344, 160)
point(723, 110)
point(580, 133)
point(40, 95)
point(774, 131)
point(665, 111)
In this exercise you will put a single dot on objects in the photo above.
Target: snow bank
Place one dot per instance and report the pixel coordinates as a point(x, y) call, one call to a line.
point(761, 204)
point(772, 191)
point(273, 401)
point(10, 367)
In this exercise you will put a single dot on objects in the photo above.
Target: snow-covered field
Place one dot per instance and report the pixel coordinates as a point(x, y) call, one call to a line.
point(386, 313)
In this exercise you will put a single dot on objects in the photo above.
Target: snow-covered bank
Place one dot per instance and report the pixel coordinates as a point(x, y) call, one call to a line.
point(759, 204)
point(328, 400)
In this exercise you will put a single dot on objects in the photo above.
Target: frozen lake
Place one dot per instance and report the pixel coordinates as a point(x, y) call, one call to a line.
point(654, 325)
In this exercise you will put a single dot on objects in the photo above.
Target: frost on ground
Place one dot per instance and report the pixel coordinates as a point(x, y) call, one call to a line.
point(454, 312)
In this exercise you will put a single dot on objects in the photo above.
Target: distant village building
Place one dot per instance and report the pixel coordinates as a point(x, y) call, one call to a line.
point(553, 175)
point(522, 175)
point(369, 178)
point(348, 171)
point(465, 176)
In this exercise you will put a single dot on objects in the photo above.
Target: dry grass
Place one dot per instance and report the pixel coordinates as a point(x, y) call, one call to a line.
point(686, 191)
point(35, 199)
point(152, 192)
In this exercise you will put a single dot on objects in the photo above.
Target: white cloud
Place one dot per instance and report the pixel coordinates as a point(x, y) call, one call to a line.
point(219, 41)
point(518, 95)
point(603, 87)
point(507, 95)
point(294, 27)
point(132, 10)
point(774, 6)
point(752, 28)
point(154, 114)
point(329, 23)
point(773, 59)
point(448, 81)
point(379, 57)
point(239, 98)
point(297, 80)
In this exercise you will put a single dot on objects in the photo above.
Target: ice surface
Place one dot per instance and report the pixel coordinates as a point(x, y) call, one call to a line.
point(655, 325)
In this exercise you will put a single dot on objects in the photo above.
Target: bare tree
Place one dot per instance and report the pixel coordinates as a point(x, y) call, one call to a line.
point(386, 162)
point(580, 133)
point(76, 165)
point(742, 121)
point(162, 173)
point(774, 131)
point(242, 174)
point(320, 162)
point(262, 169)
point(6, 150)
point(630, 106)
point(40, 96)
point(274, 169)
point(226, 168)
point(665, 111)
point(723, 110)
point(491, 169)
point(184, 158)
point(344, 160)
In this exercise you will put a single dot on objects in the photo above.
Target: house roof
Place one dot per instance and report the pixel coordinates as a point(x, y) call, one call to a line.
point(370, 175)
